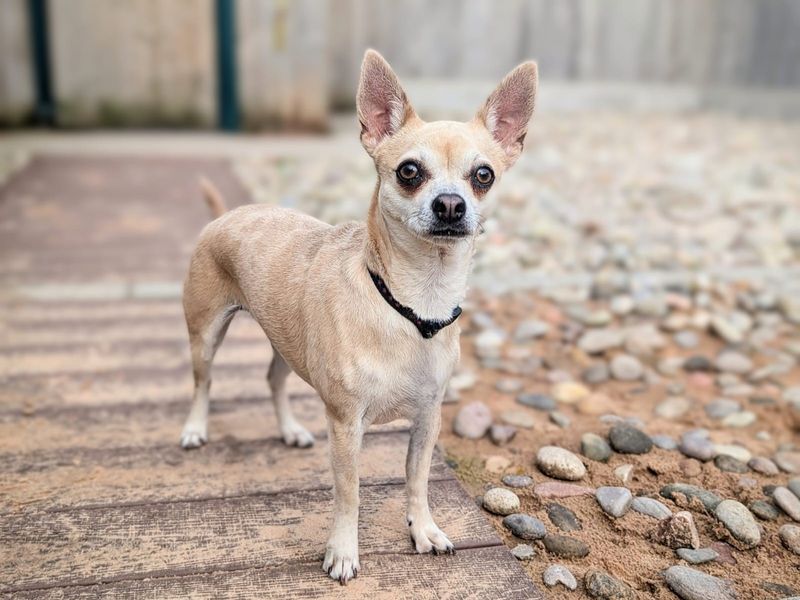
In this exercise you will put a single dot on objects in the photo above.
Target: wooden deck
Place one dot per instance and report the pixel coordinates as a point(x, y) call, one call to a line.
point(96, 497)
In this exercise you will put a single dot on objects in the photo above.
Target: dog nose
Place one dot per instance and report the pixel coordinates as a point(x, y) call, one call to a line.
point(449, 208)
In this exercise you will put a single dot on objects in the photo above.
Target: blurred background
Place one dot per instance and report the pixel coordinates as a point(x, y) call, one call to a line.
point(283, 64)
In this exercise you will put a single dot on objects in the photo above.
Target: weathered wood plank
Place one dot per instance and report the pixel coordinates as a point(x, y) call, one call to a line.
point(471, 574)
point(90, 546)
point(141, 424)
point(228, 467)
point(30, 393)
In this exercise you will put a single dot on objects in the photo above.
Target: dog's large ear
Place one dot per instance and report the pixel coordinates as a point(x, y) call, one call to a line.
point(382, 104)
point(509, 108)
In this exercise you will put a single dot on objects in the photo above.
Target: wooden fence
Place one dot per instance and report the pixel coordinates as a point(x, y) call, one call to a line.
point(151, 62)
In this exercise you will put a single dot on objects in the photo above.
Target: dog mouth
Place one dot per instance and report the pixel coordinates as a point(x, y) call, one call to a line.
point(448, 232)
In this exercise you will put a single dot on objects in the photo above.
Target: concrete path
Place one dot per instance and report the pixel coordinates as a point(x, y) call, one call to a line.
point(96, 498)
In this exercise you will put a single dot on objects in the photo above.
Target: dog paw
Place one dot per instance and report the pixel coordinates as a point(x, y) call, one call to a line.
point(193, 438)
point(427, 537)
point(341, 563)
point(298, 436)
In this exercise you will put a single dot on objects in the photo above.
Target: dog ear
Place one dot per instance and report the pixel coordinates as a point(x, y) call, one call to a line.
point(381, 103)
point(509, 108)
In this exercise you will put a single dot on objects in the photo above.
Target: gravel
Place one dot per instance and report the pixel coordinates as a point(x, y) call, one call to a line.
point(790, 536)
point(555, 574)
point(473, 421)
point(560, 463)
point(651, 507)
point(697, 557)
point(563, 518)
point(568, 547)
point(517, 481)
point(537, 401)
point(678, 531)
point(626, 368)
point(739, 521)
point(525, 527)
point(788, 502)
point(615, 501)
point(691, 584)
point(600, 584)
point(501, 501)
point(629, 440)
point(594, 447)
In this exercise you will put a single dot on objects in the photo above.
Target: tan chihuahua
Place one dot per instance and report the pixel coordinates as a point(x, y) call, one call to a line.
point(363, 312)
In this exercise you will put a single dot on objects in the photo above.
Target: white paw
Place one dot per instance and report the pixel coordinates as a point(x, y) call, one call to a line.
point(341, 561)
point(193, 437)
point(297, 435)
point(427, 537)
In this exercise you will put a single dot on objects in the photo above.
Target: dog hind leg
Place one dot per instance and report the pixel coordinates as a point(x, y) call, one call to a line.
point(204, 339)
point(292, 432)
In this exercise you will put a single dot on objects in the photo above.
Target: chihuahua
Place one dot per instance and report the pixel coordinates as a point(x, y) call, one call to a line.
point(364, 312)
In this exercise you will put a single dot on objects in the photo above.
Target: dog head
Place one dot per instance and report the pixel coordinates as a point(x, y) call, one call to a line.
point(434, 178)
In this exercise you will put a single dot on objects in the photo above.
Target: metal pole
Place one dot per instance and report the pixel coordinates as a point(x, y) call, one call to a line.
point(45, 110)
point(227, 90)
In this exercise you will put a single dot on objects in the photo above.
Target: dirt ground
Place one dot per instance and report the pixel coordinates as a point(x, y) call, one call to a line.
point(622, 546)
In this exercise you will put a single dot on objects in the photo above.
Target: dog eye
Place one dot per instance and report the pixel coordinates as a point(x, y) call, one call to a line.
point(408, 171)
point(483, 176)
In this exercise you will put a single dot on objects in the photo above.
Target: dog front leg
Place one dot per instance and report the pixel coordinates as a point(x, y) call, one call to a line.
point(426, 536)
point(341, 555)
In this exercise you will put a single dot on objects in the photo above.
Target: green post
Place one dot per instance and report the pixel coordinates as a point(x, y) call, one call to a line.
point(227, 90)
point(45, 110)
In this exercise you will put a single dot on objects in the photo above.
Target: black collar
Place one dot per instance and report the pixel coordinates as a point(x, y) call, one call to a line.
point(426, 327)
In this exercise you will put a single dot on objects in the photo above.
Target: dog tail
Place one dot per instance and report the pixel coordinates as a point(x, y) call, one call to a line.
point(213, 198)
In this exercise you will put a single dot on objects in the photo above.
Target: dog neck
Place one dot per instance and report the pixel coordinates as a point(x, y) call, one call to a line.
point(429, 278)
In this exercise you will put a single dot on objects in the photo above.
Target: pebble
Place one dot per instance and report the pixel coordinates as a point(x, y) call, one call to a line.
point(730, 464)
point(740, 453)
point(691, 584)
point(569, 392)
point(678, 531)
point(517, 481)
point(626, 368)
point(555, 574)
point(686, 339)
point(697, 363)
point(596, 373)
point(600, 584)
point(518, 418)
point(664, 442)
point(739, 521)
point(788, 502)
point(697, 447)
point(489, 342)
point(739, 420)
point(651, 507)
point(530, 330)
point(463, 381)
point(501, 501)
point(699, 556)
point(563, 518)
point(523, 552)
point(790, 536)
point(673, 491)
point(560, 463)
point(497, 464)
point(629, 440)
point(594, 447)
point(622, 305)
point(473, 421)
point(537, 401)
point(525, 526)
point(670, 366)
point(615, 501)
point(726, 329)
point(502, 434)
point(788, 461)
point(560, 419)
point(722, 407)
point(624, 473)
point(508, 385)
point(565, 546)
point(794, 486)
point(556, 489)
point(733, 362)
point(673, 408)
point(597, 341)
point(764, 510)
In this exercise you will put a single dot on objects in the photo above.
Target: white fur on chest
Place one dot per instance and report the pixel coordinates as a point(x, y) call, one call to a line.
point(403, 376)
